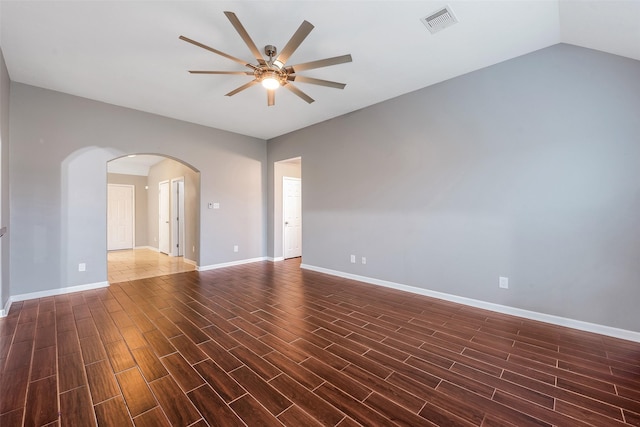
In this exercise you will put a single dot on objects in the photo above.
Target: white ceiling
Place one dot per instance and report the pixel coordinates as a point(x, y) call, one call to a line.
point(134, 164)
point(128, 52)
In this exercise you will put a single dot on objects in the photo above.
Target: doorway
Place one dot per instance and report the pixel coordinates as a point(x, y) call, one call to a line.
point(171, 217)
point(158, 181)
point(287, 238)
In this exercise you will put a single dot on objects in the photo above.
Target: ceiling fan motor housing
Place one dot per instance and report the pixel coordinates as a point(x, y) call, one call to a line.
point(270, 50)
point(263, 73)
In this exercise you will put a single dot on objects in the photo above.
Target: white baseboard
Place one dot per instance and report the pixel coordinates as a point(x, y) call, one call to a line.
point(151, 248)
point(533, 315)
point(190, 262)
point(230, 264)
point(5, 310)
point(59, 291)
point(276, 259)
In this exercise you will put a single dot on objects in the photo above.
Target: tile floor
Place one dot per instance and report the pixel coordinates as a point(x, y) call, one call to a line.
point(269, 344)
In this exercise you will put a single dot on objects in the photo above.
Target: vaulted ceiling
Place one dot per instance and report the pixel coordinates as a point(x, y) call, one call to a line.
point(128, 53)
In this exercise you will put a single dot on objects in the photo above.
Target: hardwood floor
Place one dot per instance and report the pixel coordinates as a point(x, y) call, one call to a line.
point(133, 264)
point(267, 344)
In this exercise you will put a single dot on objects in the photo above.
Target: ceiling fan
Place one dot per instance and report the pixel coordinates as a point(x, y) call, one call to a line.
point(273, 72)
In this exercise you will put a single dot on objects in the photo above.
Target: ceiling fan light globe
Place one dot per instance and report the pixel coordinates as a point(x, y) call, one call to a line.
point(270, 83)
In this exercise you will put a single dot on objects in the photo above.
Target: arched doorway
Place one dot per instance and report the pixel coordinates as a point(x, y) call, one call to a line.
point(152, 217)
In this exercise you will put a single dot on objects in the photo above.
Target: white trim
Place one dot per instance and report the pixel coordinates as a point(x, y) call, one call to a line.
point(276, 259)
point(160, 208)
point(5, 310)
point(151, 248)
point(176, 209)
point(189, 261)
point(59, 291)
point(230, 264)
point(533, 315)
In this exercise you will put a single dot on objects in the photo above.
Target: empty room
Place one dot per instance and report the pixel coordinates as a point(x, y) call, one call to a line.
point(319, 213)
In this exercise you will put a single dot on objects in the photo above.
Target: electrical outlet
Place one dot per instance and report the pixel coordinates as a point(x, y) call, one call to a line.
point(235, 248)
point(82, 267)
point(353, 259)
point(503, 282)
point(364, 259)
point(193, 249)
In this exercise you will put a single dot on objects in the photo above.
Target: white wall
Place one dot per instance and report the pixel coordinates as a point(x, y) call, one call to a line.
point(526, 169)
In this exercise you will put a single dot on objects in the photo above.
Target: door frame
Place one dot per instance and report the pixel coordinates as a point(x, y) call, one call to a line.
point(177, 215)
point(160, 207)
point(286, 167)
point(133, 213)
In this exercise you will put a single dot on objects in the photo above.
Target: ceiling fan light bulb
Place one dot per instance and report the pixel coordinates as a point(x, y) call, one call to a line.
point(270, 83)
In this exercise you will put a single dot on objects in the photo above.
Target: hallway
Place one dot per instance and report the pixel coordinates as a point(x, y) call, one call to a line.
point(134, 264)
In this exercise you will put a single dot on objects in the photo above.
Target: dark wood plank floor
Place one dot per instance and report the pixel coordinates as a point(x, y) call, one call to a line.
point(268, 344)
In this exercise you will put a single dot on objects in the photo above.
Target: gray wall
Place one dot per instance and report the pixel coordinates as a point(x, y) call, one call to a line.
point(165, 171)
point(140, 195)
point(4, 181)
point(526, 169)
point(60, 145)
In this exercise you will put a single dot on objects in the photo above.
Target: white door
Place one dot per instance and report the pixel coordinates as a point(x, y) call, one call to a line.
point(164, 227)
point(120, 216)
point(177, 216)
point(292, 213)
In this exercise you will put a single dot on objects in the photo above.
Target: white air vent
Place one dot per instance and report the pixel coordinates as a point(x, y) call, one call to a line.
point(439, 20)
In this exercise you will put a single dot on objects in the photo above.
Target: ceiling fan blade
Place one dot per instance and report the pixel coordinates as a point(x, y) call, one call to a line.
point(298, 37)
point(319, 63)
point(245, 36)
point(216, 51)
point(271, 97)
point(247, 73)
point(298, 92)
point(243, 87)
point(311, 80)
